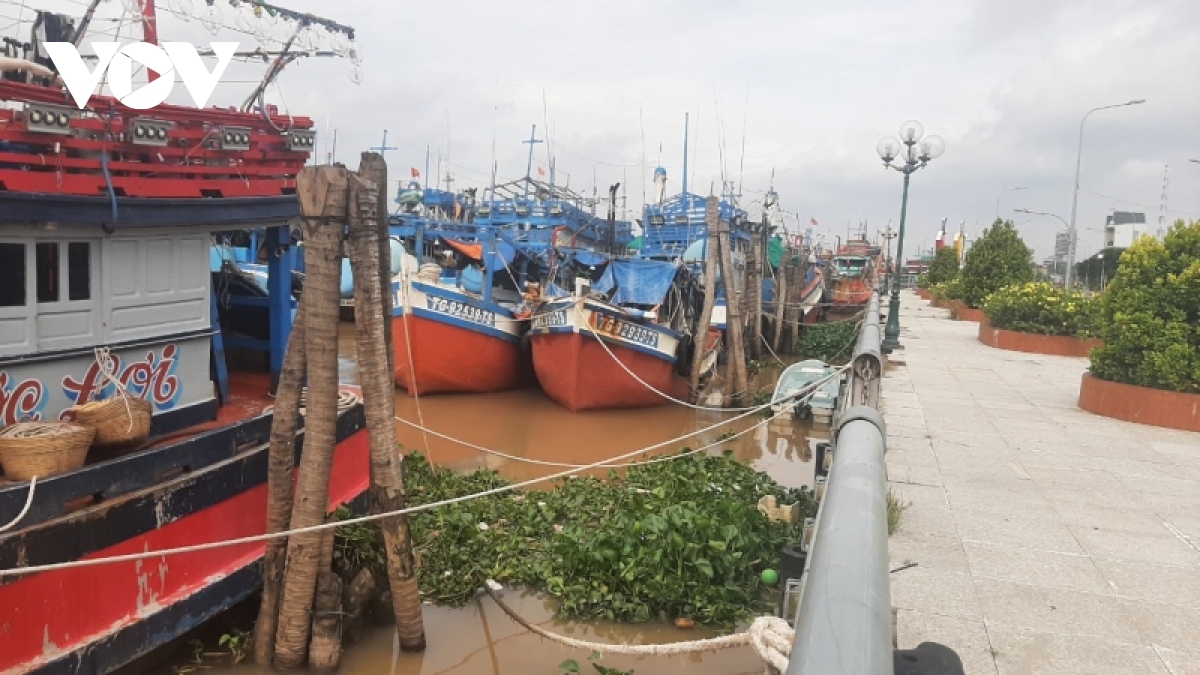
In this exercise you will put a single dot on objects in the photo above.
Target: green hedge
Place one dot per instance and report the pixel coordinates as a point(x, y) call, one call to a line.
point(1150, 314)
point(1042, 308)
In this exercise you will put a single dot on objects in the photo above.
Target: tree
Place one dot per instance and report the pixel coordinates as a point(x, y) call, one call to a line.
point(1095, 272)
point(944, 266)
point(1150, 314)
point(998, 259)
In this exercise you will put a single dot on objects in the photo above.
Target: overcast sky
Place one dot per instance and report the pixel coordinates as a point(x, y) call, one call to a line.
point(810, 86)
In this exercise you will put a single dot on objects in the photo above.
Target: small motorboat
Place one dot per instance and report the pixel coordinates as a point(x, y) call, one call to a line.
point(800, 377)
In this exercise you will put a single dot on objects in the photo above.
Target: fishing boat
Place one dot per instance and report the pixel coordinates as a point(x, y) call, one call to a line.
point(803, 377)
point(106, 227)
point(463, 307)
point(451, 331)
point(615, 344)
point(855, 267)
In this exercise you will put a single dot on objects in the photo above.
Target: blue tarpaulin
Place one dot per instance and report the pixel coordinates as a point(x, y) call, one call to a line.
point(637, 282)
point(590, 258)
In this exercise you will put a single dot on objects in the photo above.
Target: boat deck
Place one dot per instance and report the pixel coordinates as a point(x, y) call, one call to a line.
point(1047, 539)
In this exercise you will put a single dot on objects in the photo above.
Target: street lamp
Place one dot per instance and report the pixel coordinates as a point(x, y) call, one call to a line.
point(915, 151)
point(1011, 189)
point(1070, 234)
point(1075, 193)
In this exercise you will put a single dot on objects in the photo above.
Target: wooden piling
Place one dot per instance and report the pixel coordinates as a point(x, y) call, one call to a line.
point(734, 330)
point(712, 216)
point(753, 295)
point(373, 168)
point(322, 192)
point(325, 650)
point(281, 465)
point(387, 470)
point(781, 298)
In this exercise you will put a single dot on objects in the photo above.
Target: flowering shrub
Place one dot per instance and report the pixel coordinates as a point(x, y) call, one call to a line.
point(1039, 307)
point(1150, 314)
point(947, 290)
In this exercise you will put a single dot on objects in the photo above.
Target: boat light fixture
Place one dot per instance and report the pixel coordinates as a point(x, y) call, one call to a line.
point(235, 138)
point(302, 140)
point(147, 131)
point(48, 119)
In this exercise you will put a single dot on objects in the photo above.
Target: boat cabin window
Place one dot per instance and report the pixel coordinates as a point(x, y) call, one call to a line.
point(53, 275)
point(12, 275)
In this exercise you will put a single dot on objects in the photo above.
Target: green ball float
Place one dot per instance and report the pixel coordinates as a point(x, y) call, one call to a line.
point(770, 577)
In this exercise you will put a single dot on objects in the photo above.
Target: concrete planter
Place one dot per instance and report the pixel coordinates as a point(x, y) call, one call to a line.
point(1032, 343)
point(1156, 407)
point(960, 312)
point(924, 294)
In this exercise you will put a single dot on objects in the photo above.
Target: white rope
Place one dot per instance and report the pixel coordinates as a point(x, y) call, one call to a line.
point(406, 305)
point(108, 368)
point(254, 539)
point(634, 375)
point(28, 503)
point(770, 636)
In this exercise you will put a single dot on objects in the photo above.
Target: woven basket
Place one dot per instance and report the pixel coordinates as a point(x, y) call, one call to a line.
point(111, 420)
point(43, 448)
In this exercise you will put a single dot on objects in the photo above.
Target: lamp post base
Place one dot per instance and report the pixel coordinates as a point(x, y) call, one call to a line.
point(891, 333)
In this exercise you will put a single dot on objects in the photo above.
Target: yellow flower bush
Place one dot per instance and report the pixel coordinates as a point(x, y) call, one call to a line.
point(1039, 307)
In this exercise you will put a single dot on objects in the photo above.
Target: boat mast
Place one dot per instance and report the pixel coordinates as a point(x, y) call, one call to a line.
point(687, 202)
point(529, 164)
point(149, 31)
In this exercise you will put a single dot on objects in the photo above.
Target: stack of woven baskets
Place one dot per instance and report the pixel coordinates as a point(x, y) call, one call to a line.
point(46, 448)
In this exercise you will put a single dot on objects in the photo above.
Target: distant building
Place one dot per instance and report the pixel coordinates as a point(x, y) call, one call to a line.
point(1125, 227)
point(1062, 245)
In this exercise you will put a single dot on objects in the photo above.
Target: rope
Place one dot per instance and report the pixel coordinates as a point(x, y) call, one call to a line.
point(587, 324)
point(108, 368)
point(406, 304)
point(770, 636)
point(541, 462)
point(254, 539)
point(28, 503)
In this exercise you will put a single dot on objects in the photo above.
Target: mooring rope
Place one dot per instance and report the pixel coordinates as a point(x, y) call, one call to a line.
point(28, 503)
point(770, 636)
point(406, 307)
point(541, 462)
point(254, 539)
point(651, 387)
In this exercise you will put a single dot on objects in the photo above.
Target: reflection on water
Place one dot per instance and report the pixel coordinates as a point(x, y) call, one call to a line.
point(480, 638)
point(525, 423)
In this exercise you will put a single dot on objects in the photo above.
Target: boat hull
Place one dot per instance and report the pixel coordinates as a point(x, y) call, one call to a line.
point(449, 343)
point(92, 620)
point(576, 370)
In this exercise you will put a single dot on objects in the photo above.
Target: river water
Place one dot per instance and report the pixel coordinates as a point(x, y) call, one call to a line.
point(479, 638)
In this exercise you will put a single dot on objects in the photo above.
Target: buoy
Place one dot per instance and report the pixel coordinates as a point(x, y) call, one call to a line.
point(770, 577)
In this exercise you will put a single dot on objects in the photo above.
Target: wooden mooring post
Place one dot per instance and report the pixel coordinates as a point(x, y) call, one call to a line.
point(322, 192)
point(712, 216)
point(376, 376)
point(735, 370)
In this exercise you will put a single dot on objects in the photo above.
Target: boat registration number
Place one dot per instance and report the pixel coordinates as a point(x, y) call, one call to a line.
point(550, 319)
point(461, 310)
point(623, 330)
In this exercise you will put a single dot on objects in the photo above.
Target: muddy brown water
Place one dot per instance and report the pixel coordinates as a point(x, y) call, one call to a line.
point(480, 638)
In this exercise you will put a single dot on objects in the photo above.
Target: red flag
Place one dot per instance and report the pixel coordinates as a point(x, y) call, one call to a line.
point(415, 173)
point(541, 171)
point(814, 221)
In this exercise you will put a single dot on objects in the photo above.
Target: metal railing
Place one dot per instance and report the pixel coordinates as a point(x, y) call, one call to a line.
point(844, 621)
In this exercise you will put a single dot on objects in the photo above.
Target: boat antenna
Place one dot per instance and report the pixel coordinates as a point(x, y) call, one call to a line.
point(742, 161)
point(642, 123)
point(687, 202)
point(533, 139)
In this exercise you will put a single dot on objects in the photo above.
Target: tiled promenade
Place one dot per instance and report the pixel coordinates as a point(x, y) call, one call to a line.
point(1047, 539)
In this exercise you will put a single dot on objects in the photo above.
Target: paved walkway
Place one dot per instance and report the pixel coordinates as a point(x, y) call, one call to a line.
point(1048, 539)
